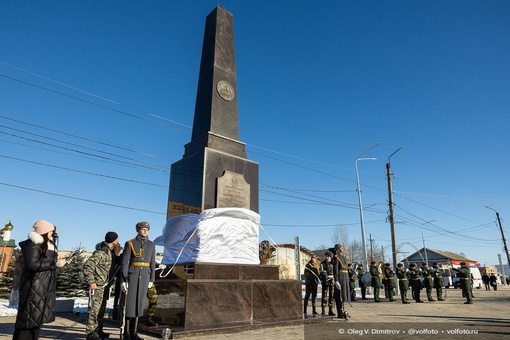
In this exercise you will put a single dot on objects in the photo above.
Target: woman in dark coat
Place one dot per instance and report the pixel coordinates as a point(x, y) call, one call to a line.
point(37, 283)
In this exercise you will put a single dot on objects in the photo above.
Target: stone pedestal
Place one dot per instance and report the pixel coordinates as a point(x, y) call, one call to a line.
point(199, 296)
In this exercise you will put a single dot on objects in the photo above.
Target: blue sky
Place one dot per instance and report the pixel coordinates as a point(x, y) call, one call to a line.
point(97, 101)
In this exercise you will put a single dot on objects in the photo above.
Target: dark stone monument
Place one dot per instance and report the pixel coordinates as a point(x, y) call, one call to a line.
point(214, 171)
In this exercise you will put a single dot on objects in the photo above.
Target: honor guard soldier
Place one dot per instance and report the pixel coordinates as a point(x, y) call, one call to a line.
point(138, 275)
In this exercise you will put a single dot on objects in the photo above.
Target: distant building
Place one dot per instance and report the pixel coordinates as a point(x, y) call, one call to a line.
point(285, 258)
point(439, 256)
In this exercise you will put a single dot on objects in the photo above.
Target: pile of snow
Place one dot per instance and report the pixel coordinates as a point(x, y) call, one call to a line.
point(221, 235)
point(80, 305)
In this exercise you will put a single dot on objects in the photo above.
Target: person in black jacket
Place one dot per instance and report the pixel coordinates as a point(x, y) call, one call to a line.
point(38, 282)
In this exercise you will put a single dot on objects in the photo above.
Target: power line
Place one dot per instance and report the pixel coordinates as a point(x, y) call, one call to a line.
point(82, 199)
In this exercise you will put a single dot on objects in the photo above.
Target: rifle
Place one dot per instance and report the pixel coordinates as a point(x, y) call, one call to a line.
point(122, 314)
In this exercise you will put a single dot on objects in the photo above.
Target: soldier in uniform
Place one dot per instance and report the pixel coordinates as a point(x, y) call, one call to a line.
point(437, 274)
point(327, 281)
point(341, 276)
point(465, 281)
point(96, 272)
point(352, 281)
point(138, 275)
point(414, 275)
point(403, 283)
point(152, 297)
point(427, 279)
point(376, 280)
point(311, 283)
point(389, 286)
point(361, 284)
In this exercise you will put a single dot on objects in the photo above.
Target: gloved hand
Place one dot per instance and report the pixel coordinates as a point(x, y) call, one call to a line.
point(151, 284)
point(162, 267)
point(337, 285)
point(124, 287)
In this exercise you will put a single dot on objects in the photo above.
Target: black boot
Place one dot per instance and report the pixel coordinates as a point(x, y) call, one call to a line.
point(305, 306)
point(331, 313)
point(127, 326)
point(94, 336)
point(133, 328)
point(339, 312)
point(150, 321)
point(101, 333)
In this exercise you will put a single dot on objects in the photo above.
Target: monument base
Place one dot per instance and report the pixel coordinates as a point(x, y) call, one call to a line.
point(203, 296)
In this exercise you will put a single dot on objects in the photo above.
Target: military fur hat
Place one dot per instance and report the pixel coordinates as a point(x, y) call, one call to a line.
point(141, 225)
point(328, 253)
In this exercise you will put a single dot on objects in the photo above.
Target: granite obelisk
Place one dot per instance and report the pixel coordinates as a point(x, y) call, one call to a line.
point(214, 171)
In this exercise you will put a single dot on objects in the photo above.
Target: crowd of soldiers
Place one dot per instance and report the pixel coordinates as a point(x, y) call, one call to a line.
point(338, 280)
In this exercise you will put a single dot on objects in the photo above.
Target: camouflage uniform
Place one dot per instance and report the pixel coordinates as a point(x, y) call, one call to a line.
point(327, 285)
point(152, 297)
point(96, 270)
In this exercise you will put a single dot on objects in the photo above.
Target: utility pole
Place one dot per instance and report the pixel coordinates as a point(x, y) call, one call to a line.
point(502, 235)
point(371, 249)
point(391, 217)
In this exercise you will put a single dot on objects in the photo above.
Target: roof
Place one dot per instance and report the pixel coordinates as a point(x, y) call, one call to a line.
point(441, 255)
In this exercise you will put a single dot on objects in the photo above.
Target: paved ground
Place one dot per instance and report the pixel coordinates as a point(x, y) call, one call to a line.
point(451, 319)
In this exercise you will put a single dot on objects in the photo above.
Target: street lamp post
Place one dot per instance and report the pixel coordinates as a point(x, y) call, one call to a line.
point(423, 240)
point(363, 241)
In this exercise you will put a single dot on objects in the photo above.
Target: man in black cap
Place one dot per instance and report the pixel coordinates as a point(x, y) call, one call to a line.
point(96, 272)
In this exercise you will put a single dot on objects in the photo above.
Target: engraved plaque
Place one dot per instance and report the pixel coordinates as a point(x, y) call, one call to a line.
point(225, 90)
point(232, 191)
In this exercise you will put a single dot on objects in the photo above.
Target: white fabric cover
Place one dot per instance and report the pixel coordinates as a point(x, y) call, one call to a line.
point(221, 235)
